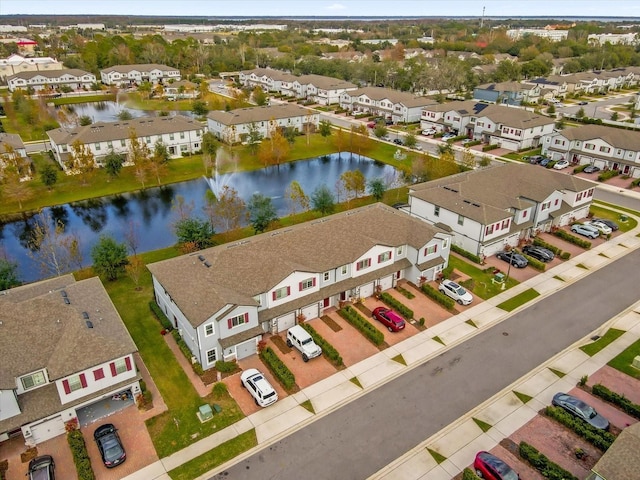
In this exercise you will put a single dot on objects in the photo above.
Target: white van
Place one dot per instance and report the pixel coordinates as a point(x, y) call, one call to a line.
point(299, 338)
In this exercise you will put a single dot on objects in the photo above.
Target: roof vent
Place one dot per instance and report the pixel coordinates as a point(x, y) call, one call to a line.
point(67, 301)
point(63, 293)
point(85, 315)
point(89, 324)
point(201, 258)
point(207, 264)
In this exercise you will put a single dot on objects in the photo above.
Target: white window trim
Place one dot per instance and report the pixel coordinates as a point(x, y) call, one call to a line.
point(213, 329)
point(121, 366)
point(206, 355)
point(35, 385)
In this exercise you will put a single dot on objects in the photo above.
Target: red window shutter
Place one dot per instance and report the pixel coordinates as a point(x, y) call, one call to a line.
point(246, 317)
point(127, 362)
point(113, 369)
point(358, 266)
point(288, 291)
point(65, 385)
point(274, 295)
point(83, 380)
point(380, 258)
point(98, 374)
point(300, 286)
point(229, 324)
point(435, 249)
point(313, 282)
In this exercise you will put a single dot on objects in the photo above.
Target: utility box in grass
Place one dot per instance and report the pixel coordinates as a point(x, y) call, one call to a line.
point(636, 362)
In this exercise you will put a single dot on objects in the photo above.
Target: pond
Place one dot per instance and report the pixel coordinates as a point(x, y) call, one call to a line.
point(149, 213)
point(108, 111)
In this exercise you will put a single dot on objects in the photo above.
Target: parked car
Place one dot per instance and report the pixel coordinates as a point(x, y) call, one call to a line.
point(490, 467)
point(42, 468)
point(591, 169)
point(535, 159)
point(398, 141)
point(583, 102)
point(560, 164)
point(601, 226)
point(514, 258)
point(371, 124)
point(448, 136)
point(429, 131)
point(389, 318)
point(544, 162)
point(586, 230)
point(299, 338)
point(609, 223)
point(539, 253)
point(580, 409)
point(109, 445)
point(259, 387)
point(455, 291)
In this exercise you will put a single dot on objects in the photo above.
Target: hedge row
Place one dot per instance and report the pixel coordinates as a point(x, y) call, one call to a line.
point(80, 455)
point(362, 324)
point(535, 263)
point(493, 146)
point(447, 302)
point(159, 314)
point(598, 438)
point(572, 239)
point(466, 254)
point(327, 349)
point(540, 462)
point(606, 175)
point(541, 243)
point(399, 307)
point(226, 367)
point(184, 348)
point(278, 368)
point(621, 401)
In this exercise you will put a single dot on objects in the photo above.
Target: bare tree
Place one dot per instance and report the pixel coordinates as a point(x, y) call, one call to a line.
point(50, 247)
point(139, 155)
point(81, 160)
point(226, 212)
point(132, 237)
point(296, 197)
point(134, 270)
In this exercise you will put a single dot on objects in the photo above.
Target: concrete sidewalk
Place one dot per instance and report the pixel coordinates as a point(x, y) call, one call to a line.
point(457, 440)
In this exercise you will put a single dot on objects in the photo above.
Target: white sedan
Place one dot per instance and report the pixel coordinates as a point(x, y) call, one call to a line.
point(602, 228)
point(560, 164)
point(455, 291)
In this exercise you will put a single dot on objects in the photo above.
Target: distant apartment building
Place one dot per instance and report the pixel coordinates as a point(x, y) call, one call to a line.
point(51, 80)
point(553, 35)
point(613, 38)
point(129, 75)
point(17, 63)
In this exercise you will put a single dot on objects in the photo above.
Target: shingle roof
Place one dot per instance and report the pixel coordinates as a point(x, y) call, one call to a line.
point(109, 131)
point(259, 114)
point(617, 137)
point(39, 330)
point(142, 67)
point(515, 117)
point(12, 139)
point(622, 460)
point(468, 107)
point(50, 74)
point(395, 96)
point(323, 82)
point(240, 271)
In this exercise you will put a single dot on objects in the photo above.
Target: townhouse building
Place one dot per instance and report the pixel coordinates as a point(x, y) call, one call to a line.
point(608, 148)
point(17, 63)
point(51, 80)
point(130, 75)
point(391, 104)
point(12, 142)
point(63, 350)
point(237, 125)
point(268, 79)
point(491, 208)
point(223, 299)
point(450, 116)
point(508, 93)
point(179, 134)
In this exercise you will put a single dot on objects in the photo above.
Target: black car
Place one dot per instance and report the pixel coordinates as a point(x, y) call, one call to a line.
point(514, 258)
point(582, 102)
point(609, 223)
point(539, 253)
point(397, 141)
point(580, 409)
point(42, 468)
point(535, 159)
point(110, 446)
point(591, 169)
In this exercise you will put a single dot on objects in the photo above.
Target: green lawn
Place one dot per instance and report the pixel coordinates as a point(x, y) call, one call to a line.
point(598, 210)
point(481, 283)
point(594, 347)
point(520, 299)
point(623, 361)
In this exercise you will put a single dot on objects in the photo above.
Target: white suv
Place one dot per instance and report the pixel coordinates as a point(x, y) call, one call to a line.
point(259, 387)
point(299, 338)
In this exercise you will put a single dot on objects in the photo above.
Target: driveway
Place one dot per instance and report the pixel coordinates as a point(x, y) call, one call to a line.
point(57, 447)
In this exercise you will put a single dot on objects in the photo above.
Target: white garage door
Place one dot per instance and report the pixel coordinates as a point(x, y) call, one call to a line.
point(366, 290)
point(47, 429)
point(310, 312)
point(246, 349)
point(286, 322)
point(386, 283)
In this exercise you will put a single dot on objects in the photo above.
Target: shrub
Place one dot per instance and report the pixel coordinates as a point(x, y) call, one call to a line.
point(572, 239)
point(80, 455)
point(327, 349)
point(468, 474)
point(607, 174)
point(579, 168)
point(466, 254)
point(362, 324)
point(541, 243)
point(565, 255)
point(486, 148)
point(540, 462)
point(160, 316)
point(438, 296)
point(226, 367)
point(473, 143)
point(621, 401)
point(397, 305)
point(598, 438)
point(278, 368)
point(535, 263)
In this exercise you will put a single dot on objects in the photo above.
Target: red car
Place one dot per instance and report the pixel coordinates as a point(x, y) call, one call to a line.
point(490, 467)
point(389, 319)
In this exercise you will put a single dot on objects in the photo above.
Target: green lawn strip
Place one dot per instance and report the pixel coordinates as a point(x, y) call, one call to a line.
point(400, 359)
point(483, 285)
point(558, 278)
point(215, 457)
point(623, 361)
point(471, 323)
point(611, 335)
point(439, 458)
point(438, 339)
point(523, 397)
point(484, 426)
point(582, 265)
point(520, 299)
point(599, 211)
point(356, 382)
point(308, 406)
point(558, 373)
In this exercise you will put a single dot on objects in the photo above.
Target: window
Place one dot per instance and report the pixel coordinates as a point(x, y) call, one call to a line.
point(120, 366)
point(399, 250)
point(488, 230)
point(436, 210)
point(147, 139)
point(74, 383)
point(109, 144)
point(431, 249)
point(445, 243)
point(589, 146)
point(211, 356)
point(182, 135)
point(505, 223)
point(123, 143)
point(460, 220)
point(326, 276)
point(306, 284)
point(362, 264)
point(605, 149)
point(545, 206)
point(384, 257)
point(579, 196)
point(34, 380)
point(208, 330)
point(98, 374)
point(343, 270)
point(238, 320)
point(97, 145)
point(171, 136)
point(281, 292)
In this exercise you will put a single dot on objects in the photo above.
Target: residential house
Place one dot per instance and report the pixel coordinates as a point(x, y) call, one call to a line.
point(451, 116)
point(129, 75)
point(14, 142)
point(63, 350)
point(179, 134)
point(321, 89)
point(16, 63)
point(621, 461)
point(606, 147)
point(555, 84)
point(51, 80)
point(502, 205)
point(237, 125)
point(392, 104)
point(223, 299)
point(181, 89)
point(268, 79)
point(508, 93)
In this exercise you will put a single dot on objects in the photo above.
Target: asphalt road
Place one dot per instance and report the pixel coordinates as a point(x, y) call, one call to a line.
point(360, 438)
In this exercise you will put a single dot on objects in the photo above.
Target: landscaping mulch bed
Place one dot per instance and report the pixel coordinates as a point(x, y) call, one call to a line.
point(279, 342)
point(29, 455)
point(364, 309)
point(331, 323)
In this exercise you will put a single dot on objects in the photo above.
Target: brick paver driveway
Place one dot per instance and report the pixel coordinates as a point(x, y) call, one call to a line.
point(57, 447)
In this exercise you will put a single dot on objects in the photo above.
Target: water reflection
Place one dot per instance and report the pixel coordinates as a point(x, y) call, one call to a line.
point(106, 112)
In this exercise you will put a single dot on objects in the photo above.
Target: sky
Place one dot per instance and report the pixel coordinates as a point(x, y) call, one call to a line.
point(340, 8)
